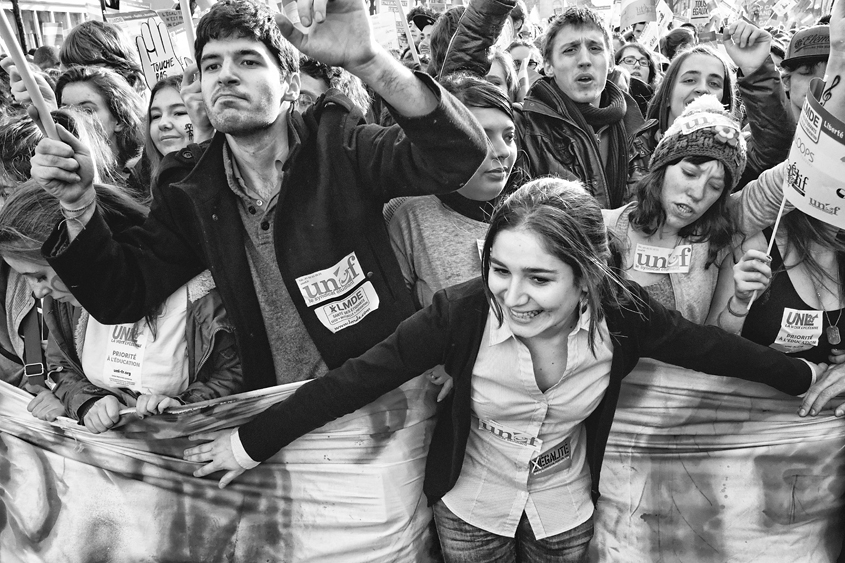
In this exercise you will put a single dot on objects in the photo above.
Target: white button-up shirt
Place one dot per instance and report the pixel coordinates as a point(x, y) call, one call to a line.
point(527, 449)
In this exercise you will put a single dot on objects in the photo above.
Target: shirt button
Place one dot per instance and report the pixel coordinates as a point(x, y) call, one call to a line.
point(259, 203)
point(265, 226)
point(251, 210)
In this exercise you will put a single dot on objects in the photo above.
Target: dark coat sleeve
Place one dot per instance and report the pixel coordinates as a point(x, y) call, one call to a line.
point(667, 336)
point(770, 120)
point(119, 278)
point(418, 344)
point(434, 153)
point(478, 29)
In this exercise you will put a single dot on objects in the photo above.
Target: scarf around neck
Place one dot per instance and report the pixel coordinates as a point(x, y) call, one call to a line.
point(611, 112)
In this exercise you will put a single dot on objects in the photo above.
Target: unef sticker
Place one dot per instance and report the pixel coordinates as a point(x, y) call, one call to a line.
point(332, 282)
point(510, 435)
point(799, 330)
point(124, 362)
point(659, 260)
point(553, 460)
point(349, 310)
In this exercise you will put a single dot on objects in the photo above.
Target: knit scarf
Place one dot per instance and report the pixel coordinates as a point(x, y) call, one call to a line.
point(611, 111)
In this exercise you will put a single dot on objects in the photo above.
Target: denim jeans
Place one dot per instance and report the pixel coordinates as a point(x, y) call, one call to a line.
point(464, 543)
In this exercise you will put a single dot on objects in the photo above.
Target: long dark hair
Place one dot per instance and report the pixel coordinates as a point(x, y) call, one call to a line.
point(569, 222)
point(716, 226)
point(802, 232)
point(660, 104)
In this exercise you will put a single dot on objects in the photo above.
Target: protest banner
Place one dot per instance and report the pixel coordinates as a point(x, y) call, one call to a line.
point(815, 179)
point(154, 43)
point(650, 36)
point(664, 17)
point(350, 492)
point(637, 11)
point(384, 30)
point(699, 13)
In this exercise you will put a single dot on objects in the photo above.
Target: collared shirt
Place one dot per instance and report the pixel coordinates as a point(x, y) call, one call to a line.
point(527, 448)
point(295, 356)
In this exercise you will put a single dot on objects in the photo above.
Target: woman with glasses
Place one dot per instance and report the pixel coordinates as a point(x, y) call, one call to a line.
point(639, 63)
point(526, 59)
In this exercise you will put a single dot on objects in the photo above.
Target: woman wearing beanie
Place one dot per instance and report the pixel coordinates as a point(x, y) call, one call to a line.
point(756, 86)
point(684, 217)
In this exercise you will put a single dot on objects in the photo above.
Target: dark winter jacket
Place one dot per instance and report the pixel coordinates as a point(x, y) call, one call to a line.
point(339, 174)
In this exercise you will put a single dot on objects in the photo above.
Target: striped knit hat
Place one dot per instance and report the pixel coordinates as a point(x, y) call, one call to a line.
point(704, 129)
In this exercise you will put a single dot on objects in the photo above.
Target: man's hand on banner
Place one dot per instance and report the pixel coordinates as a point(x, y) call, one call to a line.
point(218, 452)
point(338, 32)
point(156, 50)
point(747, 45)
point(829, 384)
point(19, 88)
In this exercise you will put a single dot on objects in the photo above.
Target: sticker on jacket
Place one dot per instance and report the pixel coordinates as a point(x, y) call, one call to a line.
point(350, 310)
point(658, 260)
point(332, 282)
point(799, 330)
point(510, 435)
point(553, 460)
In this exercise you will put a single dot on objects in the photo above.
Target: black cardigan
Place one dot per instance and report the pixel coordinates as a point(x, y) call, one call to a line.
point(449, 332)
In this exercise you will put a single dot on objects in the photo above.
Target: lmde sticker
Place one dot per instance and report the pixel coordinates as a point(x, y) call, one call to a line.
point(332, 282)
point(349, 310)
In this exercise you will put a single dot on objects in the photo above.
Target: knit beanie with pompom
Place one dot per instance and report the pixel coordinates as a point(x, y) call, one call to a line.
point(704, 129)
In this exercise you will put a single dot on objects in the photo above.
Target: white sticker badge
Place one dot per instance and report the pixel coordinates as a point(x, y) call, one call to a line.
point(658, 260)
point(510, 435)
point(332, 282)
point(349, 310)
point(799, 330)
point(125, 356)
point(553, 460)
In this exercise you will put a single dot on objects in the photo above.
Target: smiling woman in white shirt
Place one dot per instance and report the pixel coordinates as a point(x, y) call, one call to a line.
point(538, 348)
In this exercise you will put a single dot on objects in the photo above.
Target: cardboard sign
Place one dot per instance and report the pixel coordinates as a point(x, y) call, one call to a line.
point(699, 12)
point(664, 17)
point(158, 58)
point(171, 18)
point(637, 11)
point(154, 42)
point(815, 177)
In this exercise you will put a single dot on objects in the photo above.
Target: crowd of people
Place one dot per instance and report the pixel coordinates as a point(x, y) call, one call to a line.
point(521, 225)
